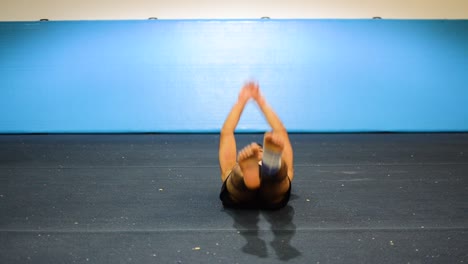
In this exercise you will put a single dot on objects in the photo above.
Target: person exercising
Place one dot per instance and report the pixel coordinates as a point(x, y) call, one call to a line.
point(256, 177)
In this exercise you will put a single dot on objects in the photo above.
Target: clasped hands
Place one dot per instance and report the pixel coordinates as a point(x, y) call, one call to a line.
point(251, 90)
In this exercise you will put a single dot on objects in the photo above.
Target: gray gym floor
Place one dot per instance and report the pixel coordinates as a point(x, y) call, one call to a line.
point(153, 198)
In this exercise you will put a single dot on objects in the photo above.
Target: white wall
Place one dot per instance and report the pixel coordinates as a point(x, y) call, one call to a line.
point(21, 10)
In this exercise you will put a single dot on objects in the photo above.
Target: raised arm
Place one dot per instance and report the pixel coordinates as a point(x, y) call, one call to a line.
point(227, 141)
point(277, 127)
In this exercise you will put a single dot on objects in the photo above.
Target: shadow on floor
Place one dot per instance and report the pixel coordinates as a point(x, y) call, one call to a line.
point(282, 227)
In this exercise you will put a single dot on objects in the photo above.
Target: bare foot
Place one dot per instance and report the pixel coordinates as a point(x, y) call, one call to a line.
point(273, 142)
point(248, 162)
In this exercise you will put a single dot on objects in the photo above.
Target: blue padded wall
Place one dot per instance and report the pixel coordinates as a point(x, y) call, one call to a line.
point(184, 75)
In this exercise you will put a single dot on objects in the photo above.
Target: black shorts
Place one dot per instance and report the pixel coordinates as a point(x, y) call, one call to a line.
point(256, 203)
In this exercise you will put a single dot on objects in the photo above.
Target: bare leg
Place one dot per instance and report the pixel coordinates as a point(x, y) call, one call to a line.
point(244, 178)
point(248, 163)
point(273, 145)
point(274, 186)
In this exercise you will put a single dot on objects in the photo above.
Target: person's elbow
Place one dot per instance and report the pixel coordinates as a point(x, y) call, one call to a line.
point(226, 131)
point(280, 129)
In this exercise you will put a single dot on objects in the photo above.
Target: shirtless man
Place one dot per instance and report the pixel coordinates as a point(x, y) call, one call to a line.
point(257, 176)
